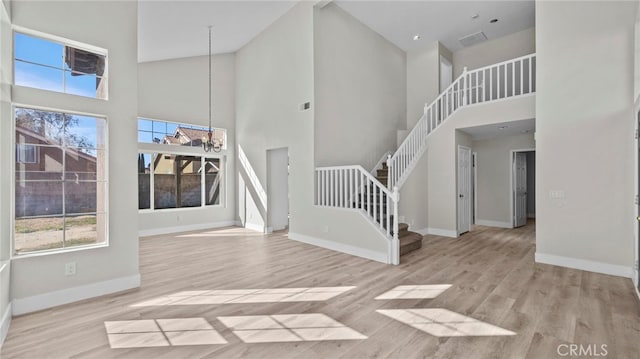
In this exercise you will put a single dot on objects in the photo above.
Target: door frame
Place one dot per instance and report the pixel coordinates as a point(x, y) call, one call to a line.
point(444, 62)
point(512, 179)
point(636, 175)
point(474, 178)
point(458, 230)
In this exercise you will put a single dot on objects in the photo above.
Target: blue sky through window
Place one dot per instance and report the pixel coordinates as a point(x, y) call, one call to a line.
point(40, 64)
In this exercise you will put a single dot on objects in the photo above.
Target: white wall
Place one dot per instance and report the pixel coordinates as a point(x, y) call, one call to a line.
point(413, 207)
point(274, 75)
point(442, 152)
point(34, 279)
point(360, 90)
point(423, 86)
point(423, 80)
point(177, 91)
point(6, 137)
point(584, 131)
point(494, 176)
point(268, 116)
point(494, 51)
point(278, 189)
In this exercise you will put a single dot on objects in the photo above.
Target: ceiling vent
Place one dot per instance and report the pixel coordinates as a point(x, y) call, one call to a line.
point(473, 39)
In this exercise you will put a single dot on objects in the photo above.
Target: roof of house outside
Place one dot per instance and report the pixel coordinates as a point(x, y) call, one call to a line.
point(189, 136)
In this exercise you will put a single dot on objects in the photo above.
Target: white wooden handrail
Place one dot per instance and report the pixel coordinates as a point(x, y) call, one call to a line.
point(353, 187)
point(498, 81)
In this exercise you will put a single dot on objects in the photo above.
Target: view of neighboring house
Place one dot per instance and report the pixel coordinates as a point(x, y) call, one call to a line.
point(43, 167)
point(389, 179)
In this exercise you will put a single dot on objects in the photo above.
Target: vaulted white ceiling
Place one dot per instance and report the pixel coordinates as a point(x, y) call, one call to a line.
point(172, 29)
point(444, 21)
point(178, 28)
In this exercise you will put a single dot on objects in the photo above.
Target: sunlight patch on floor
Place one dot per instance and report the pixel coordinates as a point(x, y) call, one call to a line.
point(161, 333)
point(289, 328)
point(444, 323)
point(235, 296)
point(428, 291)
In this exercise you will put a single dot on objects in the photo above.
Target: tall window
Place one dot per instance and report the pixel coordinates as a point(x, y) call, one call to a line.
point(60, 197)
point(57, 66)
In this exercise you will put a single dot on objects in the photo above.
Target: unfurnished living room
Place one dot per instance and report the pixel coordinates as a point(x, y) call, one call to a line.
point(319, 179)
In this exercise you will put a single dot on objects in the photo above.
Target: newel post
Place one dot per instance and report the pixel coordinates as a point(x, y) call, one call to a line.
point(466, 87)
point(395, 243)
point(389, 169)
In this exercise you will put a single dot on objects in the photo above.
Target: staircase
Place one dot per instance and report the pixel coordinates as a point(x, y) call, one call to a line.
point(409, 241)
point(377, 196)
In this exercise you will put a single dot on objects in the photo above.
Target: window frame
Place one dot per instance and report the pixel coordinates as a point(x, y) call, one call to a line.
point(166, 149)
point(163, 150)
point(21, 150)
point(64, 42)
point(179, 124)
point(46, 252)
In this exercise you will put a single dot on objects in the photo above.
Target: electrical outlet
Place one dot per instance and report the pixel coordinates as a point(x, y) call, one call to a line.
point(70, 269)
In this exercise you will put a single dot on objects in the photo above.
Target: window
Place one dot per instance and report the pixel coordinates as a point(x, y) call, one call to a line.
point(171, 133)
point(57, 66)
point(170, 177)
point(26, 153)
point(60, 200)
point(167, 180)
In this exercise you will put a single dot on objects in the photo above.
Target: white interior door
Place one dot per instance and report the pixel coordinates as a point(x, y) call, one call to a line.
point(519, 189)
point(277, 189)
point(464, 189)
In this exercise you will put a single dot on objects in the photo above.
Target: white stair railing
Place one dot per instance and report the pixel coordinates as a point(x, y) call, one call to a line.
point(353, 187)
point(507, 79)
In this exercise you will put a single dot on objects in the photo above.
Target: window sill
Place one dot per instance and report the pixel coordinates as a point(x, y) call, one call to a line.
point(169, 210)
point(58, 251)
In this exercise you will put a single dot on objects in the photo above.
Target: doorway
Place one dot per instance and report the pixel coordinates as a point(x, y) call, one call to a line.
point(446, 73)
point(522, 186)
point(464, 189)
point(277, 189)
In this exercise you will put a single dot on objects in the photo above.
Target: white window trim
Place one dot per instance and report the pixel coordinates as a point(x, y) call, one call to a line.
point(224, 144)
point(12, 204)
point(65, 42)
point(168, 150)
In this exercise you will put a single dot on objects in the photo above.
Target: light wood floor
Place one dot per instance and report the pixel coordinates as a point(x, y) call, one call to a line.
point(492, 272)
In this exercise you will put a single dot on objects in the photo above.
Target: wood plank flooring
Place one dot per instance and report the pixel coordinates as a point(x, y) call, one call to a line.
point(491, 271)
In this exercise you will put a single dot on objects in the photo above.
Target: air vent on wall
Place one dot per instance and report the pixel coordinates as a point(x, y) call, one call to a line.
point(473, 39)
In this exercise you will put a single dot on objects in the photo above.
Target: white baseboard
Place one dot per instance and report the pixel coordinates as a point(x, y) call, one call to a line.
point(4, 324)
point(254, 227)
point(586, 265)
point(423, 231)
point(442, 232)
point(340, 247)
point(498, 224)
point(65, 296)
point(187, 228)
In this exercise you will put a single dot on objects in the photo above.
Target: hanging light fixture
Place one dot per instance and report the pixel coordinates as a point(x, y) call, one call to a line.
point(208, 143)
